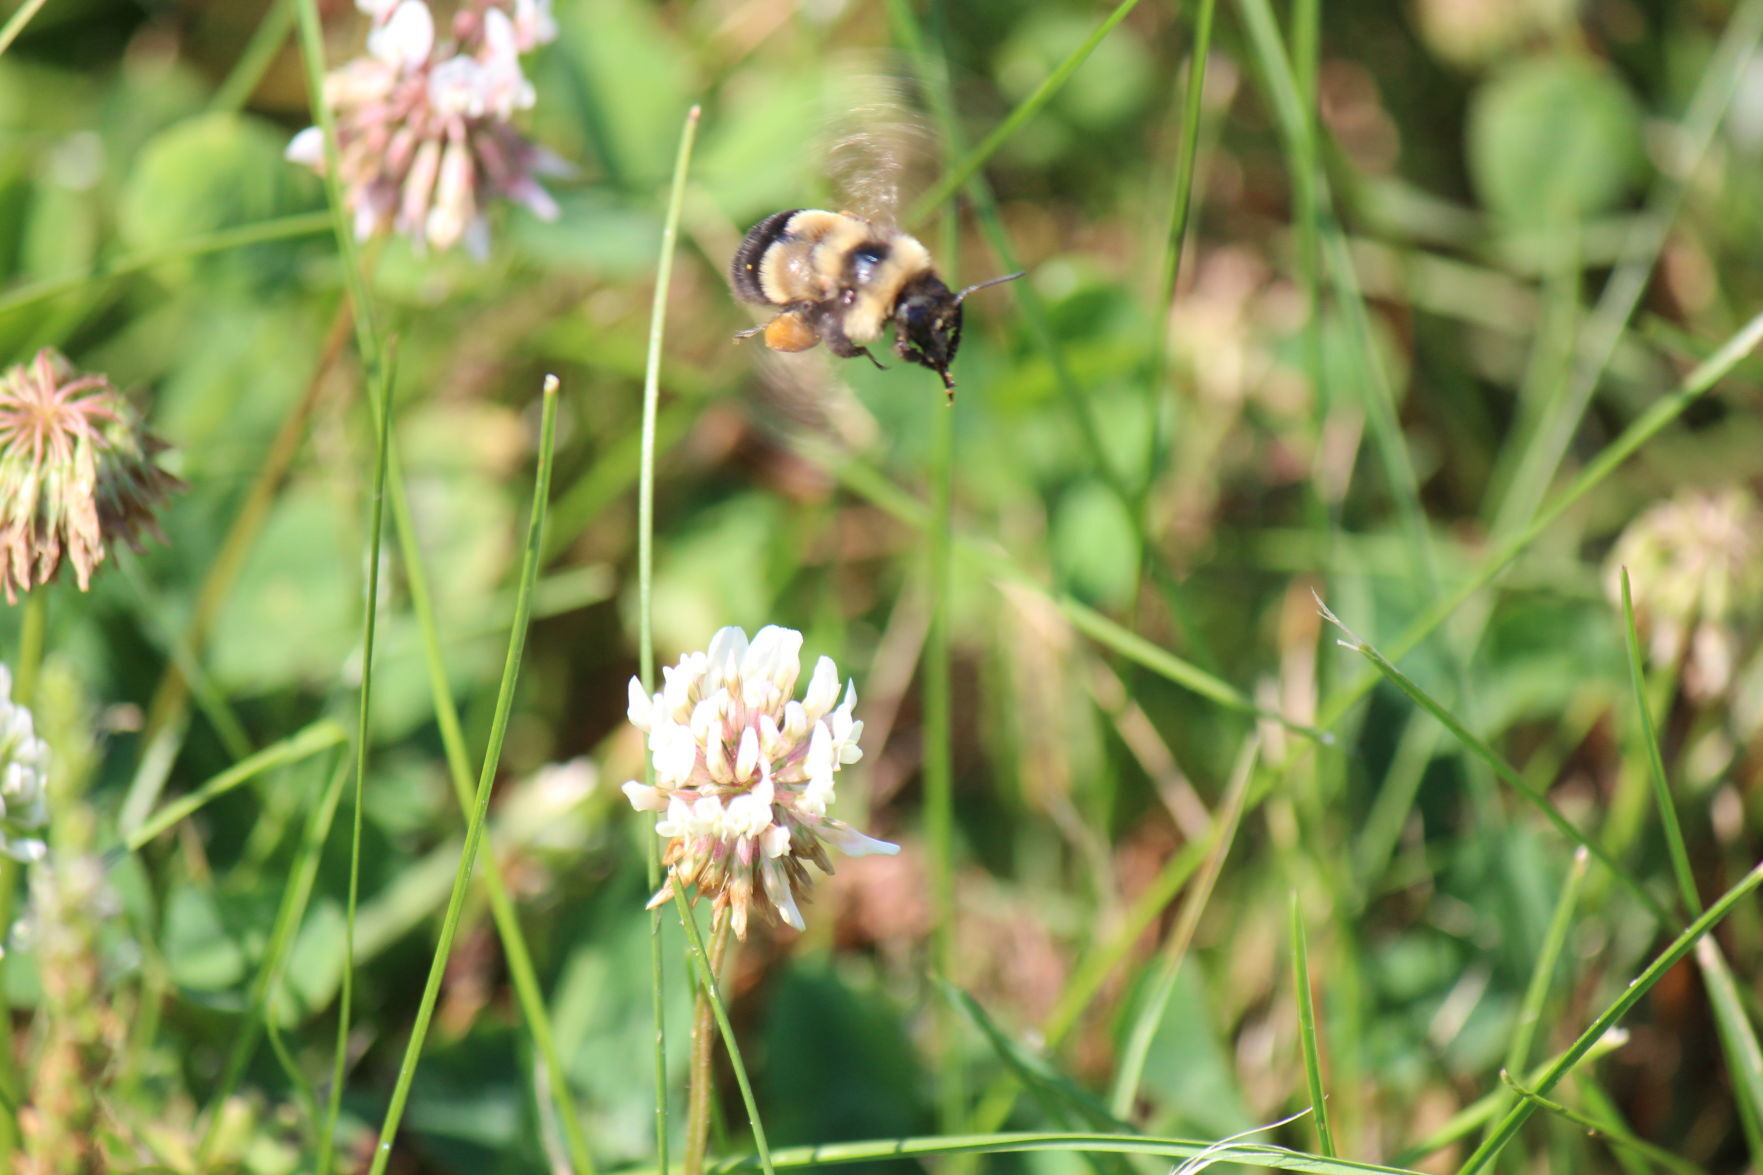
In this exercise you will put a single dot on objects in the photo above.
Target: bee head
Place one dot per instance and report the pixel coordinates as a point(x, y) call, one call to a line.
point(927, 323)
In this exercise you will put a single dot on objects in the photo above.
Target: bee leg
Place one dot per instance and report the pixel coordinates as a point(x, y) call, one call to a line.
point(749, 332)
point(840, 344)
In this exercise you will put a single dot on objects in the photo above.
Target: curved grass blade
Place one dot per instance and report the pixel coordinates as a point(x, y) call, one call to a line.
point(1482, 751)
point(474, 831)
point(1631, 995)
point(313, 739)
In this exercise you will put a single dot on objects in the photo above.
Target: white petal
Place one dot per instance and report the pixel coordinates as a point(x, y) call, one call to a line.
point(641, 704)
point(747, 759)
point(307, 148)
point(823, 689)
point(853, 843)
point(645, 798)
point(407, 38)
point(774, 657)
point(819, 764)
point(724, 656)
point(771, 739)
point(795, 722)
point(776, 841)
point(678, 821)
point(675, 756)
point(777, 888)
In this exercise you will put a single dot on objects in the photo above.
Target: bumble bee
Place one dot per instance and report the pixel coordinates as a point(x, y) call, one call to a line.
point(840, 279)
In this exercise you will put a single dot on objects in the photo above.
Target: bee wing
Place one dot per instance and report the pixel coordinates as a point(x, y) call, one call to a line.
point(876, 143)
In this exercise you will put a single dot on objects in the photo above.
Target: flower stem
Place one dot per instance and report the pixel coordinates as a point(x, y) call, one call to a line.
point(703, 1078)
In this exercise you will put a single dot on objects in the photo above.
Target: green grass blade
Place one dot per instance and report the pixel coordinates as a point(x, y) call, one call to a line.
point(1149, 1016)
point(1307, 1028)
point(309, 741)
point(1622, 293)
point(1674, 844)
point(1738, 1040)
point(1297, 127)
point(255, 58)
point(379, 377)
point(1650, 423)
point(1480, 749)
point(953, 180)
point(1536, 992)
point(869, 483)
point(295, 896)
point(646, 585)
point(17, 21)
point(474, 832)
point(1618, 1135)
point(521, 971)
point(1248, 1154)
point(1489, 1107)
point(933, 76)
point(301, 224)
point(1632, 994)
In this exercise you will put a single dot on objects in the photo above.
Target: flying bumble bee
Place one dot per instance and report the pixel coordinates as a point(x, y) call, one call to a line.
point(840, 279)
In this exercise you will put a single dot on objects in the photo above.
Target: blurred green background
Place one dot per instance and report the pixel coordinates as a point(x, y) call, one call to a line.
point(1384, 354)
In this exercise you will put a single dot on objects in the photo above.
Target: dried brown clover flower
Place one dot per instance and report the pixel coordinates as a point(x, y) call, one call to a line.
point(77, 472)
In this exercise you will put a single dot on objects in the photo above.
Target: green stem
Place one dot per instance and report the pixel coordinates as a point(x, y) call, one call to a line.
point(33, 626)
point(707, 983)
point(646, 589)
point(474, 831)
point(703, 1080)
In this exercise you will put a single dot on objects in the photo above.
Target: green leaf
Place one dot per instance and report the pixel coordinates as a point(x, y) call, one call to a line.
point(1553, 139)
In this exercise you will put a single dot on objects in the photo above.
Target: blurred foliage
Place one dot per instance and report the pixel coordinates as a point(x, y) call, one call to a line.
point(1489, 163)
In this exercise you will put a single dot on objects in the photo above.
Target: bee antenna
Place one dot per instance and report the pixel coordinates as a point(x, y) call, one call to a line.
point(1009, 277)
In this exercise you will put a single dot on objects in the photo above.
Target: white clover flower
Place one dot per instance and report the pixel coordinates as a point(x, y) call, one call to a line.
point(744, 772)
point(24, 764)
point(1695, 566)
point(424, 132)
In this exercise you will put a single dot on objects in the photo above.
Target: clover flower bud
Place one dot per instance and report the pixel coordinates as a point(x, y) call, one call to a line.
point(24, 766)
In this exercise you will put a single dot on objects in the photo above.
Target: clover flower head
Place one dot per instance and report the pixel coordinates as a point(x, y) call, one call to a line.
point(77, 473)
point(744, 772)
point(424, 125)
point(24, 764)
point(1695, 566)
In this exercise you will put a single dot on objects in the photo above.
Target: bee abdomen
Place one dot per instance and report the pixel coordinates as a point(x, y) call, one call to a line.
point(743, 271)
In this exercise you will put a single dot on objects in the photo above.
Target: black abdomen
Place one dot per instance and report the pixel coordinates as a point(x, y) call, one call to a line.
point(743, 271)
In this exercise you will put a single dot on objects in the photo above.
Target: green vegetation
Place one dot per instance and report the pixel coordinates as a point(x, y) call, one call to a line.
point(1311, 671)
